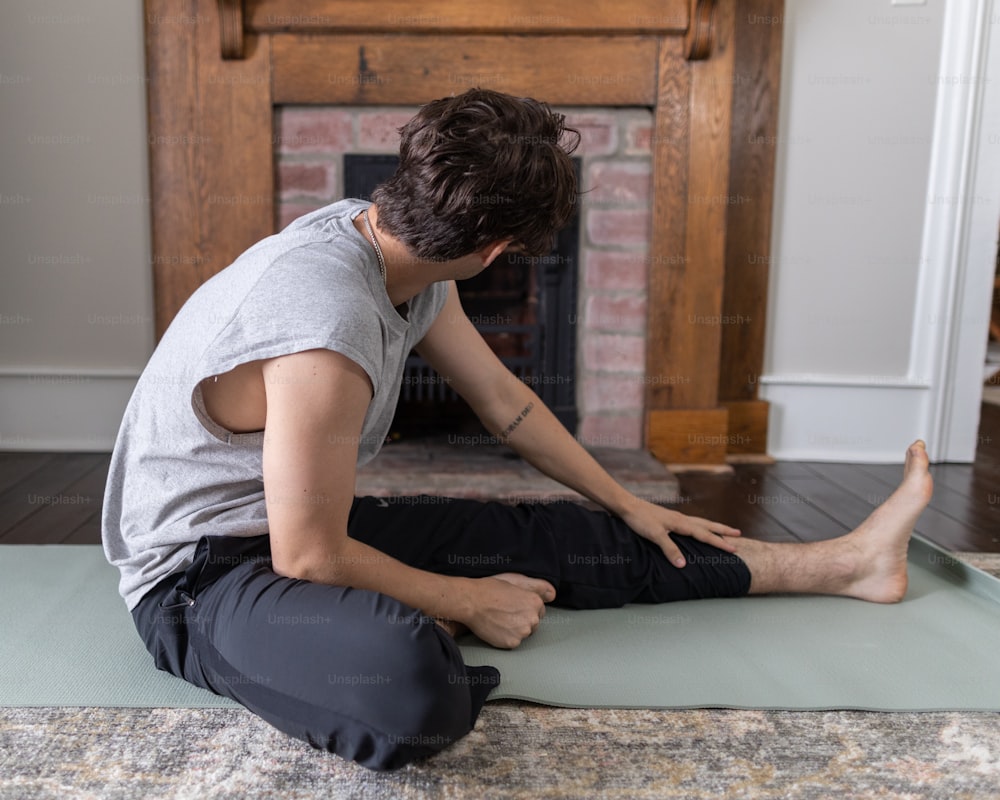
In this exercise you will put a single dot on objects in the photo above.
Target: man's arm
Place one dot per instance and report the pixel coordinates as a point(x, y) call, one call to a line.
point(516, 415)
point(316, 405)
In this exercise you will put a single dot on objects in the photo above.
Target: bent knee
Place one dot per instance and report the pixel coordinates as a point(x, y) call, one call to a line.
point(415, 703)
point(432, 700)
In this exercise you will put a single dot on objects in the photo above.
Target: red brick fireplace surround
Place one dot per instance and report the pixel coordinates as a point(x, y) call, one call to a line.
point(610, 322)
point(253, 102)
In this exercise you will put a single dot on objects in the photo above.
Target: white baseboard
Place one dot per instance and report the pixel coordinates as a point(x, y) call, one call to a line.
point(49, 410)
point(844, 418)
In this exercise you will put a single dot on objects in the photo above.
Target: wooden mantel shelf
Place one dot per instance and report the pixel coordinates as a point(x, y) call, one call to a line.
point(455, 17)
point(709, 73)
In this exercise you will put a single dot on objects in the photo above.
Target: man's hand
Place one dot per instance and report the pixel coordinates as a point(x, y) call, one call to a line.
point(507, 608)
point(654, 522)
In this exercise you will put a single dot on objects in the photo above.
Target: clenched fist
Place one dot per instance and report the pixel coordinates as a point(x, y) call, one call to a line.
point(507, 608)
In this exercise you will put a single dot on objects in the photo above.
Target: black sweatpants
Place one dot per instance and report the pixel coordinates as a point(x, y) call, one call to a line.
point(361, 674)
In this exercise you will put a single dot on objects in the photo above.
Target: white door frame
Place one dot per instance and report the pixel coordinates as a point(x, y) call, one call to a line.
point(960, 229)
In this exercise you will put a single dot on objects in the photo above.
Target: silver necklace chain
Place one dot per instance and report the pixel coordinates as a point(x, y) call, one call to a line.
point(378, 250)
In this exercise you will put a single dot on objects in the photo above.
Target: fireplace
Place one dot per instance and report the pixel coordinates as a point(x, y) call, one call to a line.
point(524, 307)
point(218, 83)
point(571, 324)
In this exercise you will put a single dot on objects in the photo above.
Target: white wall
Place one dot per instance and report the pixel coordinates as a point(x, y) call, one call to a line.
point(856, 119)
point(855, 318)
point(76, 319)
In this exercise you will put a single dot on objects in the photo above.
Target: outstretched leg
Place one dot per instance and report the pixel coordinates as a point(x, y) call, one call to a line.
point(596, 561)
point(868, 563)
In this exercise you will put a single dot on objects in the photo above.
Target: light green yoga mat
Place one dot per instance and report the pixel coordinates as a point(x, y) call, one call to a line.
point(67, 640)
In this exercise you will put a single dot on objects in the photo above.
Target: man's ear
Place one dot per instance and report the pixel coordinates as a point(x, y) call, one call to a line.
point(489, 253)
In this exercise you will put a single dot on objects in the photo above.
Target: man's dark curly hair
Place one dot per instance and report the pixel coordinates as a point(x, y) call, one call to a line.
point(479, 168)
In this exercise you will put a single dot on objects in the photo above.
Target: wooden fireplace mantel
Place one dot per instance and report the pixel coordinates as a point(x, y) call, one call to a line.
point(217, 69)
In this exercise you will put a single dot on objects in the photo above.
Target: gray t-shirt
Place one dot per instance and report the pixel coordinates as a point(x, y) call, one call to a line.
point(175, 474)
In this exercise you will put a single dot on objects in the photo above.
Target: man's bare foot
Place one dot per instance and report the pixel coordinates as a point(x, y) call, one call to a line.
point(881, 541)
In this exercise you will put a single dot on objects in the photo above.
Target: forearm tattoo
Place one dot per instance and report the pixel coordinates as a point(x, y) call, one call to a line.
point(505, 434)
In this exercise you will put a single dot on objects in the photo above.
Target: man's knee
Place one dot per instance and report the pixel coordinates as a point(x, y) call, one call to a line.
point(709, 572)
point(419, 701)
point(433, 698)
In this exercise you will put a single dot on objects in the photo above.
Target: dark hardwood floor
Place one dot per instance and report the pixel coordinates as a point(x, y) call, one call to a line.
point(50, 498)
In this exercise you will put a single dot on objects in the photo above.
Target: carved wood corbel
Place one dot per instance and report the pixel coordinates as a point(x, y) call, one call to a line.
point(700, 34)
point(231, 29)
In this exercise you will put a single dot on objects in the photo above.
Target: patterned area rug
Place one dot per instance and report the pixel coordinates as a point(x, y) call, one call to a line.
point(516, 750)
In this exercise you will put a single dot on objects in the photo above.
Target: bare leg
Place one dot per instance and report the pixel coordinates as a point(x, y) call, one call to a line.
point(868, 563)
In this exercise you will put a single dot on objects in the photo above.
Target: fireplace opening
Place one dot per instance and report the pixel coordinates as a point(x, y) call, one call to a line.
point(525, 309)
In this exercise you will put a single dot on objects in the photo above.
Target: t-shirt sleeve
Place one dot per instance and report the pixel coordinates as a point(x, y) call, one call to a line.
point(305, 300)
point(431, 301)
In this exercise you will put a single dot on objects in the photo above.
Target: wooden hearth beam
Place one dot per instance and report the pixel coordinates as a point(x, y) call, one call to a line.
point(757, 78)
point(691, 145)
point(210, 148)
point(407, 69)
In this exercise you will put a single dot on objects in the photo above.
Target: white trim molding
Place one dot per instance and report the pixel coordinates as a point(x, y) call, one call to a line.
point(861, 418)
point(817, 379)
point(62, 410)
point(959, 244)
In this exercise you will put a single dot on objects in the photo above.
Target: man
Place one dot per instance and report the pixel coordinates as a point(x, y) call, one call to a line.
point(252, 570)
